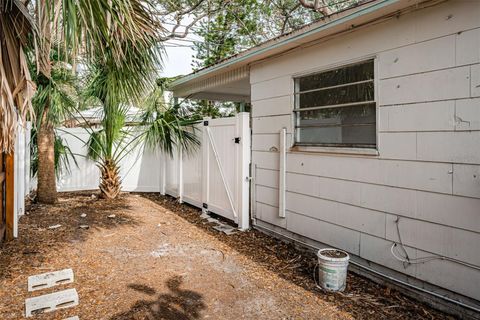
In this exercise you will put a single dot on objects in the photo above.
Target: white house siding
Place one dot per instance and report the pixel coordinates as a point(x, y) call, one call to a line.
point(427, 172)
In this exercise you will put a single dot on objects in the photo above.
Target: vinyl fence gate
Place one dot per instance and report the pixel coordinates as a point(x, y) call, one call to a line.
point(215, 176)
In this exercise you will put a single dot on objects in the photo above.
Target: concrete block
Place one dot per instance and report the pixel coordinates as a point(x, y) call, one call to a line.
point(51, 302)
point(50, 279)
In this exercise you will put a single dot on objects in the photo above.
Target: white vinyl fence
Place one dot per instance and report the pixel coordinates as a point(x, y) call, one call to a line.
point(215, 176)
point(139, 170)
point(21, 166)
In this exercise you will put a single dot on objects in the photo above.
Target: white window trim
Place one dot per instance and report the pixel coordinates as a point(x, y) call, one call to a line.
point(372, 151)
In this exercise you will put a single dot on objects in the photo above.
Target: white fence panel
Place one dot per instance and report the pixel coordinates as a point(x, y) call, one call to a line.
point(172, 173)
point(220, 170)
point(21, 167)
point(192, 166)
point(139, 170)
point(87, 175)
point(215, 176)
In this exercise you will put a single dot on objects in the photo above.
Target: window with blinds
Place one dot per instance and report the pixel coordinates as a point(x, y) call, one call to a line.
point(337, 107)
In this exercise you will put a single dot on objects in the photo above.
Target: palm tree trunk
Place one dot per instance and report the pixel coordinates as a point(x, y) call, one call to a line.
point(47, 186)
point(110, 183)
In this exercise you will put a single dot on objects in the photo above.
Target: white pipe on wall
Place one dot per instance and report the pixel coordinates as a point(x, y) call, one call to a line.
point(282, 172)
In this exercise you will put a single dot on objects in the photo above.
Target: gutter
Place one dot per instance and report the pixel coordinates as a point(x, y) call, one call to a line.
point(327, 25)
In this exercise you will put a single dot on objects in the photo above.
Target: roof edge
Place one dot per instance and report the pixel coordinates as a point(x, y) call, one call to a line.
point(295, 36)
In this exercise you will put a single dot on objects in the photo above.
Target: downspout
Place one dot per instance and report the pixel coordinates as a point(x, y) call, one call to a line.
point(282, 172)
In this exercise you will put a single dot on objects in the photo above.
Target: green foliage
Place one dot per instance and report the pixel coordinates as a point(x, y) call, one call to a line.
point(57, 95)
point(56, 98)
point(116, 87)
point(63, 155)
point(166, 126)
point(241, 24)
point(228, 31)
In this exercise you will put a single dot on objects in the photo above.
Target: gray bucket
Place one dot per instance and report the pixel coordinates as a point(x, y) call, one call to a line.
point(332, 269)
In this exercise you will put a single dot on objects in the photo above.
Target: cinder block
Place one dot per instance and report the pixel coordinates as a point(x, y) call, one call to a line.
point(50, 279)
point(51, 302)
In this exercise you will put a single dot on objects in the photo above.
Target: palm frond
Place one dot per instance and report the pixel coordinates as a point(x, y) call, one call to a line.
point(16, 86)
point(96, 145)
point(102, 27)
point(64, 157)
point(56, 95)
point(167, 129)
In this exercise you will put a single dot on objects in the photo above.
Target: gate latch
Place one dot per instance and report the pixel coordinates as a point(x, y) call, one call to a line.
point(237, 139)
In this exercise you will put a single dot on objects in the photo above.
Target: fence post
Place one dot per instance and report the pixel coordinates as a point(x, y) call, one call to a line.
point(205, 165)
point(163, 166)
point(9, 194)
point(180, 175)
point(27, 157)
point(242, 169)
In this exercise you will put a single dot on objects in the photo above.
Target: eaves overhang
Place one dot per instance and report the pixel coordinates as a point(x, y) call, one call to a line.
point(330, 25)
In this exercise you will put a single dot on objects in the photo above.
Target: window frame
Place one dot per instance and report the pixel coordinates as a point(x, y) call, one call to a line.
point(335, 148)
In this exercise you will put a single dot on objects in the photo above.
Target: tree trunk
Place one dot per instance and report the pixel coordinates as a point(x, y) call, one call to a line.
point(110, 179)
point(46, 186)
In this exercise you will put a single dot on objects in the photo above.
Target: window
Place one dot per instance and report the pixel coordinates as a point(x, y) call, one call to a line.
point(337, 107)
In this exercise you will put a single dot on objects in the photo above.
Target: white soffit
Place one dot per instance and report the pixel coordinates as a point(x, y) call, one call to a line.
point(209, 84)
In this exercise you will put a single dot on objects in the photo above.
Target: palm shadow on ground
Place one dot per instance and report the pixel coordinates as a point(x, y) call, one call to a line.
point(363, 298)
point(177, 304)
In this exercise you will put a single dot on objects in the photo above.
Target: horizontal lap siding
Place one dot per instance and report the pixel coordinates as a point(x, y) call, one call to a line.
point(427, 206)
point(443, 240)
point(431, 86)
point(325, 232)
point(426, 177)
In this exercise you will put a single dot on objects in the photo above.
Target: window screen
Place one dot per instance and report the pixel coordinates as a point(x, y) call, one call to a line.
point(337, 107)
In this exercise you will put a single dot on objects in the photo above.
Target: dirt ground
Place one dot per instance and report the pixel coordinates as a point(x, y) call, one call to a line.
point(157, 259)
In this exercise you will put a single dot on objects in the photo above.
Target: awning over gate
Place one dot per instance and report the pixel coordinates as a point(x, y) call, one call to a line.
point(230, 85)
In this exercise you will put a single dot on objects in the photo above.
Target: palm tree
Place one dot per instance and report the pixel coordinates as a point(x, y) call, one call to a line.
point(85, 27)
point(116, 88)
point(56, 98)
point(16, 87)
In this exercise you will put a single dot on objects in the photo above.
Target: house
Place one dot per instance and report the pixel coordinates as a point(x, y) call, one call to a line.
point(93, 117)
point(366, 137)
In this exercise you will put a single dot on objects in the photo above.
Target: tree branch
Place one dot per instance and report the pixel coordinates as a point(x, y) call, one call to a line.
point(317, 5)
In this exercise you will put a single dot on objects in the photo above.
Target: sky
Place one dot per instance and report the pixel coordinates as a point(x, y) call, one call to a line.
point(177, 61)
point(178, 58)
